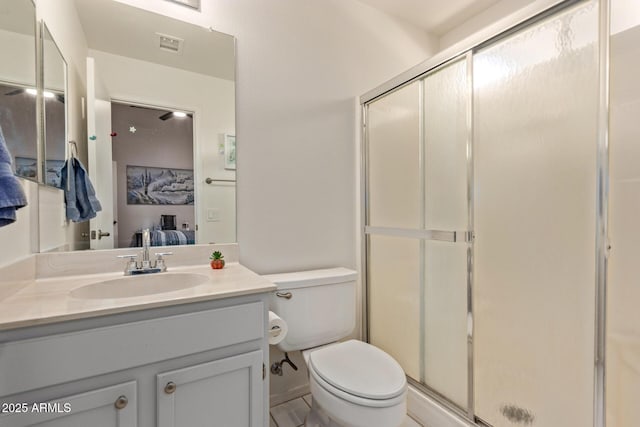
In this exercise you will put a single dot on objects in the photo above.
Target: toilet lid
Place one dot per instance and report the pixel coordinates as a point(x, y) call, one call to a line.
point(359, 369)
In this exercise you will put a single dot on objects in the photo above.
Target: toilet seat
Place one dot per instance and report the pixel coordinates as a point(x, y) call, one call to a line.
point(359, 373)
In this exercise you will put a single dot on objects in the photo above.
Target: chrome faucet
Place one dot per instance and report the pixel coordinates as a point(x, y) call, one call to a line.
point(146, 242)
point(145, 267)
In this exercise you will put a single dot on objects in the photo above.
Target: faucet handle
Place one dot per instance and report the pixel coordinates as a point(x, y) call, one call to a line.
point(160, 260)
point(159, 255)
point(131, 263)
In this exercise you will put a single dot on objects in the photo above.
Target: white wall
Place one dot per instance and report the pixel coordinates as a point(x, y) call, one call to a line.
point(22, 51)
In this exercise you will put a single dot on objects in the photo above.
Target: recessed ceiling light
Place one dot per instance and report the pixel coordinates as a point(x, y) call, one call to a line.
point(179, 114)
point(34, 92)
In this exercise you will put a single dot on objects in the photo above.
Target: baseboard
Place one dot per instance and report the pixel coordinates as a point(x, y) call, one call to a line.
point(276, 399)
point(430, 413)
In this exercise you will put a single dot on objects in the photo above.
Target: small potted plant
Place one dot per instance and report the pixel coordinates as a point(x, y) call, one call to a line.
point(217, 260)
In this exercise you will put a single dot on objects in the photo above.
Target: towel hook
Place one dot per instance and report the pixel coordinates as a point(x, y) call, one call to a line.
point(74, 149)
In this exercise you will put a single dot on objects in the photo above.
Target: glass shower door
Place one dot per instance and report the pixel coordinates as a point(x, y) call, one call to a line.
point(394, 211)
point(535, 145)
point(447, 153)
point(418, 143)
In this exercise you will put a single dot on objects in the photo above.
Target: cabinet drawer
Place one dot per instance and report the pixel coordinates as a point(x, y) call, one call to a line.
point(42, 362)
point(95, 408)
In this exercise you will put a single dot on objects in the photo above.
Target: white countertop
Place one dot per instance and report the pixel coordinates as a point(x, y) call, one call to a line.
point(42, 301)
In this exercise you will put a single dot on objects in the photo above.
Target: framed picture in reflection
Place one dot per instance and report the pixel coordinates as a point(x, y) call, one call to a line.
point(230, 152)
point(26, 167)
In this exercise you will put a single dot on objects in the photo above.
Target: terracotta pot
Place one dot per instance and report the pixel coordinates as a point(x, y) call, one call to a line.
point(217, 264)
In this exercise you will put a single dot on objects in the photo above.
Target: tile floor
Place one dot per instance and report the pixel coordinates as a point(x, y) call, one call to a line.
point(293, 413)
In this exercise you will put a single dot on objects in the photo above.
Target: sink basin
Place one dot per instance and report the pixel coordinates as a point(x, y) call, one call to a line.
point(136, 286)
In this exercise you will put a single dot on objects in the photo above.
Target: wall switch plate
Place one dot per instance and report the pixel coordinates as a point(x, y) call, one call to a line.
point(213, 215)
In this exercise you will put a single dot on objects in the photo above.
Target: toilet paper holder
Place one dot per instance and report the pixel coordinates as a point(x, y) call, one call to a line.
point(275, 331)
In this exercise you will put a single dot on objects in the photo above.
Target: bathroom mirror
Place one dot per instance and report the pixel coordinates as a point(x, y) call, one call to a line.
point(18, 85)
point(160, 113)
point(54, 70)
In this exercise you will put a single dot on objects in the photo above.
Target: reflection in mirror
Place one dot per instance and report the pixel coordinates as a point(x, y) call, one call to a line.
point(155, 164)
point(160, 106)
point(54, 73)
point(17, 84)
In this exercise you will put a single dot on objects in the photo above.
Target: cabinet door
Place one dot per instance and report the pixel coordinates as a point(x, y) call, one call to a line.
point(106, 407)
point(226, 392)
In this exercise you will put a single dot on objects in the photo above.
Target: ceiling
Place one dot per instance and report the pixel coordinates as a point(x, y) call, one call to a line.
point(124, 30)
point(437, 17)
point(18, 16)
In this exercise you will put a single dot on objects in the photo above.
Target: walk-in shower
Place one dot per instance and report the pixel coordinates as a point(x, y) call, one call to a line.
point(485, 220)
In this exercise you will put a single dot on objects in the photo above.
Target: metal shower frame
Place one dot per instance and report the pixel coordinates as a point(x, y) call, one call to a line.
point(464, 51)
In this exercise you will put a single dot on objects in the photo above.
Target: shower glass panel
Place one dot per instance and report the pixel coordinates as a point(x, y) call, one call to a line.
point(394, 304)
point(623, 316)
point(446, 137)
point(394, 160)
point(446, 101)
point(535, 144)
point(445, 314)
point(418, 139)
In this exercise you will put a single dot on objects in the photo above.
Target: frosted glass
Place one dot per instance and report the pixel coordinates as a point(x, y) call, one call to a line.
point(394, 299)
point(535, 112)
point(446, 133)
point(394, 159)
point(623, 316)
point(445, 361)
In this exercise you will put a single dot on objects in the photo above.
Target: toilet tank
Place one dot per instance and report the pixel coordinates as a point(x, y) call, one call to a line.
point(322, 307)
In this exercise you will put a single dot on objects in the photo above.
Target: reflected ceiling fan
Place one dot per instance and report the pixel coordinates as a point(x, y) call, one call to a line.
point(58, 96)
point(167, 114)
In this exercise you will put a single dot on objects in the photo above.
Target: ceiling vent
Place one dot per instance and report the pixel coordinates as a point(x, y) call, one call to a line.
point(194, 4)
point(170, 43)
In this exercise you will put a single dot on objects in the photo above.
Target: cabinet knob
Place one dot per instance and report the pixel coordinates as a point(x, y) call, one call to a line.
point(121, 402)
point(170, 387)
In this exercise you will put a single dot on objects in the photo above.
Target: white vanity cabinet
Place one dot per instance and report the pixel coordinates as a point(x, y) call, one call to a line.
point(185, 365)
point(105, 407)
point(225, 392)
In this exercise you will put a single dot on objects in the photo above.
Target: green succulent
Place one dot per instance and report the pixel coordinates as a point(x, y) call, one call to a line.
point(216, 255)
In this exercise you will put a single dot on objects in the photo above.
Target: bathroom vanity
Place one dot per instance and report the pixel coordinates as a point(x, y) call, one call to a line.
point(180, 357)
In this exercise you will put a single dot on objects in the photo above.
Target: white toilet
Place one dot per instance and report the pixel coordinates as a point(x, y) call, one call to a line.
point(353, 384)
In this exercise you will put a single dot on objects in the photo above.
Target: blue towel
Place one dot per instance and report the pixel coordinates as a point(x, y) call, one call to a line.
point(79, 195)
point(12, 195)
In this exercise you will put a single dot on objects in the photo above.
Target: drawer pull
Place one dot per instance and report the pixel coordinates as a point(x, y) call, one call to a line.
point(287, 295)
point(121, 402)
point(170, 387)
